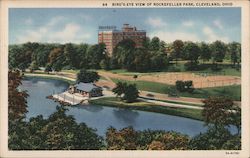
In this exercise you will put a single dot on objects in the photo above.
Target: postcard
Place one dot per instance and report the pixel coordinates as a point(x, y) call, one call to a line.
point(124, 78)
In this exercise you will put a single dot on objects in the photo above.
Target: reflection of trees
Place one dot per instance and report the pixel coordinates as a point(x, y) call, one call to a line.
point(90, 108)
point(126, 115)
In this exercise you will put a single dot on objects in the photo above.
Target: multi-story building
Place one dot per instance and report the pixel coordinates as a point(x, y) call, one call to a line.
point(110, 36)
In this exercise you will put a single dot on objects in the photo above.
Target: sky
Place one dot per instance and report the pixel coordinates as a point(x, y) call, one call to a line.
point(65, 25)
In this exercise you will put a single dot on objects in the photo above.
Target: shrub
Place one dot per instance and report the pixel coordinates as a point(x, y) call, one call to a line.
point(184, 86)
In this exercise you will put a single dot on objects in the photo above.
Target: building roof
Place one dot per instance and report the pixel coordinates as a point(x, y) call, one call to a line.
point(86, 87)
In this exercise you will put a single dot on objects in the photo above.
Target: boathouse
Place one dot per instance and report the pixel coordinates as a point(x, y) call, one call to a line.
point(86, 89)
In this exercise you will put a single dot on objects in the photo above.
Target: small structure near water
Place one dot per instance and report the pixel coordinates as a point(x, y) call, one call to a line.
point(78, 94)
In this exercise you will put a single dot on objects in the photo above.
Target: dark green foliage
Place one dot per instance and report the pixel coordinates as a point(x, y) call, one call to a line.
point(184, 86)
point(215, 139)
point(58, 132)
point(221, 111)
point(87, 76)
point(129, 91)
point(178, 46)
point(205, 51)
point(155, 44)
point(235, 52)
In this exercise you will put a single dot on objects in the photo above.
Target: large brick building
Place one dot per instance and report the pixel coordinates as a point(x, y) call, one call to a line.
point(110, 36)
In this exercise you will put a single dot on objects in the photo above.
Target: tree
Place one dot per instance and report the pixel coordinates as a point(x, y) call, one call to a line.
point(58, 132)
point(70, 55)
point(235, 51)
point(120, 88)
point(155, 44)
point(141, 61)
point(17, 99)
point(218, 52)
point(82, 56)
point(205, 51)
point(57, 59)
point(219, 111)
point(125, 139)
point(158, 61)
point(19, 57)
point(135, 77)
point(87, 76)
point(177, 49)
point(95, 54)
point(124, 54)
point(131, 93)
point(215, 139)
point(191, 51)
point(48, 68)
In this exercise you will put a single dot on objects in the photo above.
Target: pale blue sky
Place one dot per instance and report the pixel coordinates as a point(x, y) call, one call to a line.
point(81, 25)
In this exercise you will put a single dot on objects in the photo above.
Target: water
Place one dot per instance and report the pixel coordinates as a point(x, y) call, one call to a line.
point(101, 117)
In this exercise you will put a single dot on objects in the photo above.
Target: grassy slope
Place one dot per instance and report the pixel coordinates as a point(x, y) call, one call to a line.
point(144, 106)
point(233, 92)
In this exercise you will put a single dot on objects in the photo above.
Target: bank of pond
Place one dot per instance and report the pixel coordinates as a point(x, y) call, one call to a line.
point(102, 113)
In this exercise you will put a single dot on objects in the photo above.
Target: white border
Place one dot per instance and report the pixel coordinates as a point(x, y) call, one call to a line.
point(5, 4)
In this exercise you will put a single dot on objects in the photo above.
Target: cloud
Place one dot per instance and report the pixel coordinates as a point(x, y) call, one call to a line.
point(28, 21)
point(55, 20)
point(211, 36)
point(188, 23)
point(218, 24)
point(170, 36)
point(156, 22)
point(57, 30)
point(70, 33)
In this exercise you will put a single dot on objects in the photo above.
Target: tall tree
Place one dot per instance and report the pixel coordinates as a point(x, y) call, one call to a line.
point(155, 44)
point(70, 55)
point(218, 52)
point(177, 49)
point(124, 53)
point(17, 99)
point(87, 76)
point(57, 58)
point(219, 111)
point(191, 51)
point(235, 51)
point(205, 51)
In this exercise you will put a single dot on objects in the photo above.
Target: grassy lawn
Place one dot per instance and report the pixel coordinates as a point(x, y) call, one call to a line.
point(233, 92)
point(144, 106)
point(148, 86)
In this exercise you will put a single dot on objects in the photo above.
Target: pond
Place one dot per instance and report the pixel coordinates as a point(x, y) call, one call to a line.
point(101, 117)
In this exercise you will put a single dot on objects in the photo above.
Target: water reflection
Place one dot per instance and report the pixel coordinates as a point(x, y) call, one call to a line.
point(90, 108)
point(126, 116)
point(101, 117)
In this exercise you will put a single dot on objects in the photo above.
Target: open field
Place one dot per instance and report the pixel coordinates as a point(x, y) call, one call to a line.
point(144, 106)
point(200, 80)
point(233, 91)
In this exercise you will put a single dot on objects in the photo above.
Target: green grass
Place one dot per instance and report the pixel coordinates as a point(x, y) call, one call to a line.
point(144, 106)
point(233, 92)
point(148, 86)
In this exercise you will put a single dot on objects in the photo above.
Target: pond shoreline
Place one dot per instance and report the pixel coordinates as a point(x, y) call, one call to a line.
point(149, 107)
point(194, 114)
